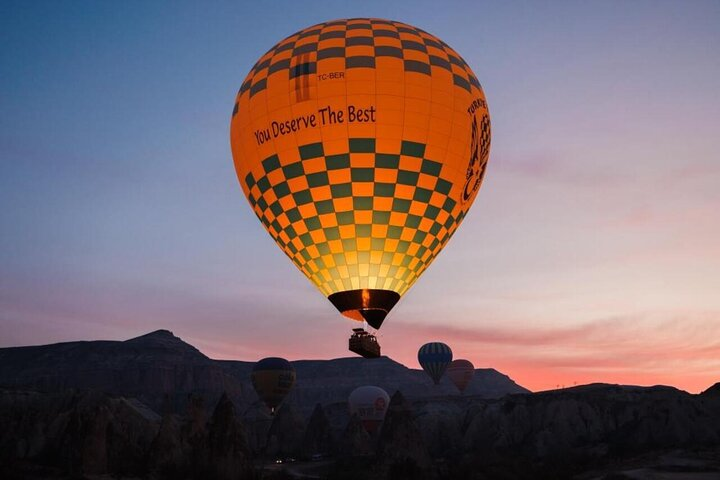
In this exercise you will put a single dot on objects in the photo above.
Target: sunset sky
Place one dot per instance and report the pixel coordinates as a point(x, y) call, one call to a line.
point(592, 253)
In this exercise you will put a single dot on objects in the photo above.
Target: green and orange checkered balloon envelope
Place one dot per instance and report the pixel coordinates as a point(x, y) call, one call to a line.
point(361, 144)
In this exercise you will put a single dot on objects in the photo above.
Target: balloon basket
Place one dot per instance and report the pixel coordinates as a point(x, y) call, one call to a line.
point(364, 344)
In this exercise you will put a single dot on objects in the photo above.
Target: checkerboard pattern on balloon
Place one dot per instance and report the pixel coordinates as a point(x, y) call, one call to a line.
point(361, 204)
point(356, 227)
point(359, 43)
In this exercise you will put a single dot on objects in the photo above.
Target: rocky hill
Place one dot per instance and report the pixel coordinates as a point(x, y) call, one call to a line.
point(159, 368)
point(148, 368)
point(329, 381)
point(73, 411)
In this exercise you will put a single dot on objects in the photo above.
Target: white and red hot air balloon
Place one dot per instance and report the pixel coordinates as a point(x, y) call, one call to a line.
point(370, 404)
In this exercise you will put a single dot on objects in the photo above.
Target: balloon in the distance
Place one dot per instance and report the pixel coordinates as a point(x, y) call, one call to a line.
point(370, 404)
point(460, 372)
point(434, 358)
point(273, 378)
point(361, 145)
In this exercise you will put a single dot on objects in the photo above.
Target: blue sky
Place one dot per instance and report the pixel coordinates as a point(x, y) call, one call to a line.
point(595, 237)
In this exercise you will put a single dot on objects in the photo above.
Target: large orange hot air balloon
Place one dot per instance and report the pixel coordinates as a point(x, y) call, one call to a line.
point(361, 144)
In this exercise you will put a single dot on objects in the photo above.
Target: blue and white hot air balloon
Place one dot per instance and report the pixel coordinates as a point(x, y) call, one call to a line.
point(434, 358)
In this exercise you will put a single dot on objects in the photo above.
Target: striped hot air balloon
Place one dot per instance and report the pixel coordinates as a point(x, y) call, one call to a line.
point(273, 378)
point(434, 358)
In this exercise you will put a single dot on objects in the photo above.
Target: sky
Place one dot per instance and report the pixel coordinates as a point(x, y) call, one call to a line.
point(591, 254)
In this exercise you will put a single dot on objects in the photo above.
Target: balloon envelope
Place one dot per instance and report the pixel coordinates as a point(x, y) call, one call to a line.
point(273, 378)
point(361, 145)
point(370, 404)
point(460, 372)
point(434, 358)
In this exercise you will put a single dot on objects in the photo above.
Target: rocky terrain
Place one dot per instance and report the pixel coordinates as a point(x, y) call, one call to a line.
point(155, 407)
point(159, 367)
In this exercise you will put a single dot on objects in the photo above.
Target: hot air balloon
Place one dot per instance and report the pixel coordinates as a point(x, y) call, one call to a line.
point(434, 358)
point(460, 372)
point(272, 379)
point(370, 404)
point(361, 145)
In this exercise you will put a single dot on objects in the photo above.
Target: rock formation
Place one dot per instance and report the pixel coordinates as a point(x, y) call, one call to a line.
point(355, 440)
point(228, 449)
point(151, 368)
point(400, 446)
point(82, 433)
point(319, 437)
point(161, 370)
point(104, 427)
point(286, 433)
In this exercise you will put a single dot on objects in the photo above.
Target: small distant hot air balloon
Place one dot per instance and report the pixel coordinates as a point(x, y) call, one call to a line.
point(434, 358)
point(370, 404)
point(460, 372)
point(361, 145)
point(272, 379)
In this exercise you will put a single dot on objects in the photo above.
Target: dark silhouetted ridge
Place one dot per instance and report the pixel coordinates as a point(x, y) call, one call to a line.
point(713, 391)
point(161, 370)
